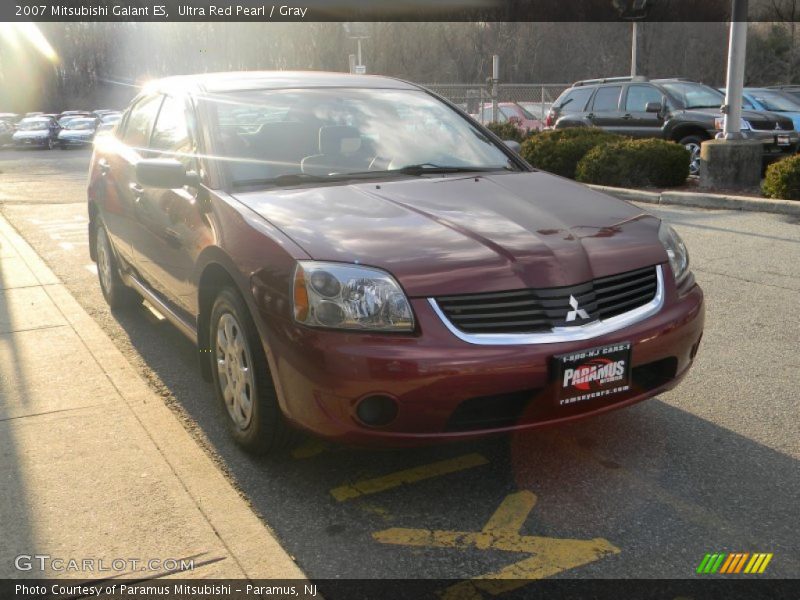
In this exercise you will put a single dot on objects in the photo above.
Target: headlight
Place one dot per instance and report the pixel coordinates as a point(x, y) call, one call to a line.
point(719, 123)
point(343, 296)
point(676, 252)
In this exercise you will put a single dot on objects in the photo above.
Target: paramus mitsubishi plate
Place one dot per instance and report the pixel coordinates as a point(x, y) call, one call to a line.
point(356, 257)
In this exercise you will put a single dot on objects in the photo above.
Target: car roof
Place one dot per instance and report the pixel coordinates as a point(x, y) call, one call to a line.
point(260, 80)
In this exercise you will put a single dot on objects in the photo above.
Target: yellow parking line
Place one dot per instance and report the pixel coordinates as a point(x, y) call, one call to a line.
point(398, 478)
point(309, 449)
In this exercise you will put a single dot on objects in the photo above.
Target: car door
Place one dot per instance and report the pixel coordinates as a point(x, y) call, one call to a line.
point(117, 184)
point(636, 121)
point(605, 111)
point(173, 221)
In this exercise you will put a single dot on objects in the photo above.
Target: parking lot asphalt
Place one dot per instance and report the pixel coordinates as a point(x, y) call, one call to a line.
point(644, 492)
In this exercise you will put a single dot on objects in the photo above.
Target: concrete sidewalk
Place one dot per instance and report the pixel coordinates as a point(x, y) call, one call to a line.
point(93, 465)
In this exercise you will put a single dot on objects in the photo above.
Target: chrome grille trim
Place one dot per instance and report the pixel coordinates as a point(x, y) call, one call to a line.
point(563, 334)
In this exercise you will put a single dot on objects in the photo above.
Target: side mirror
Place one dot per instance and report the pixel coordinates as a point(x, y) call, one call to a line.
point(514, 145)
point(654, 107)
point(164, 173)
point(515, 120)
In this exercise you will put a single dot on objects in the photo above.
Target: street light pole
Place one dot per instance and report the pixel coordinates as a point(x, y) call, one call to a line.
point(737, 47)
point(634, 46)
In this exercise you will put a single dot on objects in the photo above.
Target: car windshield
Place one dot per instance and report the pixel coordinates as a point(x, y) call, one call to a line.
point(81, 124)
point(695, 95)
point(33, 124)
point(776, 101)
point(323, 134)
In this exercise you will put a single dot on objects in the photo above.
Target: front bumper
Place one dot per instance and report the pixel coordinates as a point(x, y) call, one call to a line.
point(446, 388)
point(775, 142)
point(74, 141)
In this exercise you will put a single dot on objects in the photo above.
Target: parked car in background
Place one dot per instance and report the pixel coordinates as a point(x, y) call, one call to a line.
point(33, 114)
point(683, 111)
point(41, 132)
point(12, 118)
point(792, 90)
point(6, 132)
point(78, 132)
point(538, 109)
point(62, 122)
point(776, 101)
point(375, 267)
point(73, 113)
point(108, 122)
point(511, 112)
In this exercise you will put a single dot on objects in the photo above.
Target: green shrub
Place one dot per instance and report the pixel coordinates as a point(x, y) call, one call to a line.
point(561, 150)
point(635, 163)
point(783, 179)
point(509, 131)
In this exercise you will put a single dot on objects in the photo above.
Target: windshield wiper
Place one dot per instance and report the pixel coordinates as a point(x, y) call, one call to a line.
point(280, 180)
point(423, 168)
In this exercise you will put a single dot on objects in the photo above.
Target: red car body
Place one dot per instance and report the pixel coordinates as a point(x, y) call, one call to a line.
point(452, 235)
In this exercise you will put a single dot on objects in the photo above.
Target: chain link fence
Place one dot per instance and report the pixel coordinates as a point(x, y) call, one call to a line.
point(476, 99)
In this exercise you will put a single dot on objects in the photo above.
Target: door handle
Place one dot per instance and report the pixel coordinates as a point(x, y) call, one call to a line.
point(104, 167)
point(590, 116)
point(136, 189)
point(627, 116)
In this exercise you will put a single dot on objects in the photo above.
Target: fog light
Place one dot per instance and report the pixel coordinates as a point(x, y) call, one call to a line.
point(376, 411)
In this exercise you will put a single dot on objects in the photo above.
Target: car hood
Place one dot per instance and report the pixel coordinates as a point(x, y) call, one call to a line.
point(457, 234)
point(34, 133)
point(68, 133)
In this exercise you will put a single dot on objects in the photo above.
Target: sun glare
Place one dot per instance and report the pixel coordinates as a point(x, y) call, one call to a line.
point(14, 33)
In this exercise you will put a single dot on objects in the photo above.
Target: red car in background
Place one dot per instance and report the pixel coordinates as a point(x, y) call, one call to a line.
point(354, 257)
point(511, 112)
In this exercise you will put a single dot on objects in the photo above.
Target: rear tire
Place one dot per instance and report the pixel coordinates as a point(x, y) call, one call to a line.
point(116, 293)
point(242, 380)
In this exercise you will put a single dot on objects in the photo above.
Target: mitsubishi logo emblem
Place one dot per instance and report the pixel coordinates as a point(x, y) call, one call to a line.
point(575, 312)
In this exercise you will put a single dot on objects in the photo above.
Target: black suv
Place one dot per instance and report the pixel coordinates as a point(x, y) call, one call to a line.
point(672, 109)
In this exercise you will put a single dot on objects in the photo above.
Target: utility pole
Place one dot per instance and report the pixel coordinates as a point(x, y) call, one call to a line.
point(633, 11)
point(737, 49)
point(732, 161)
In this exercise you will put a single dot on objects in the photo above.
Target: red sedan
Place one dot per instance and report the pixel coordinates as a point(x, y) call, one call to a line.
point(355, 258)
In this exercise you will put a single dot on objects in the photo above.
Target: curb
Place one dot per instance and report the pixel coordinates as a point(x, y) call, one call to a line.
point(719, 201)
point(249, 541)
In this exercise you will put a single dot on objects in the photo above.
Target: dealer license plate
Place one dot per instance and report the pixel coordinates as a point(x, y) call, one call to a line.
point(593, 373)
point(782, 140)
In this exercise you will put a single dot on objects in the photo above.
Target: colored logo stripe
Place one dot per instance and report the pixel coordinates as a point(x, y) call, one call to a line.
point(734, 562)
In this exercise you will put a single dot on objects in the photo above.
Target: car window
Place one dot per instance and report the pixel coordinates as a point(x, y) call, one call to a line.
point(695, 95)
point(607, 98)
point(171, 133)
point(639, 96)
point(334, 132)
point(776, 101)
point(140, 122)
point(575, 100)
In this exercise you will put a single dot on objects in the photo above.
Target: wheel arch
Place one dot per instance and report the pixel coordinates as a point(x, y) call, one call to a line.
point(213, 278)
point(686, 130)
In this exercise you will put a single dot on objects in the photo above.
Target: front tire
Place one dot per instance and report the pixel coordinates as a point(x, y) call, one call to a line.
point(116, 293)
point(693, 143)
point(242, 381)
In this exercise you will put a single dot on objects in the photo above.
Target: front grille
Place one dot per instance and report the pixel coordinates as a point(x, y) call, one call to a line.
point(539, 310)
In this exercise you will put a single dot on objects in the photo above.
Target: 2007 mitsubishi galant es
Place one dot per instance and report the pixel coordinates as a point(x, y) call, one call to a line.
point(355, 256)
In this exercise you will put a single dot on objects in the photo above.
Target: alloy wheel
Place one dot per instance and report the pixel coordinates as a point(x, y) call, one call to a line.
point(694, 161)
point(104, 264)
point(234, 367)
